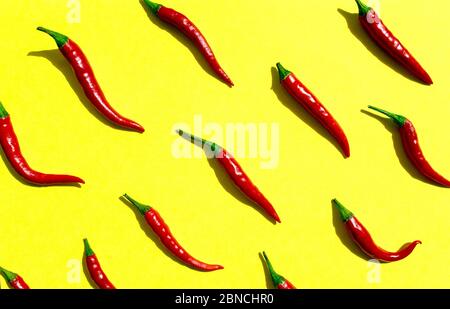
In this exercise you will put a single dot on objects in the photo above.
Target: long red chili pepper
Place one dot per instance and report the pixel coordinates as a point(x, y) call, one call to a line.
point(411, 145)
point(14, 280)
point(306, 99)
point(95, 269)
point(11, 148)
point(235, 171)
point(161, 229)
point(279, 281)
point(375, 27)
point(363, 239)
point(86, 77)
point(186, 26)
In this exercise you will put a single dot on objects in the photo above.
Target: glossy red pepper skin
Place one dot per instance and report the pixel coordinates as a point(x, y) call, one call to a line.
point(236, 173)
point(188, 28)
point(95, 269)
point(85, 75)
point(278, 281)
point(375, 27)
point(160, 228)
point(11, 148)
point(411, 145)
point(310, 102)
point(363, 239)
point(14, 280)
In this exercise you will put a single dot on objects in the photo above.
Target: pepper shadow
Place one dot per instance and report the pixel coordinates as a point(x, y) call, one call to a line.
point(398, 146)
point(87, 274)
point(150, 234)
point(55, 57)
point(232, 189)
point(177, 34)
point(295, 107)
point(24, 182)
point(267, 276)
point(344, 236)
point(356, 29)
point(14, 173)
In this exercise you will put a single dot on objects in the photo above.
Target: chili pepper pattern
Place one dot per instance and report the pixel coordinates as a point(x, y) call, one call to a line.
point(161, 229)
point(378, 31)
point(278, 281)
point(11, 148)
point(236, 173)
point(411, 145)
point(363, 239)
point(309, 101)
point(188, 28)
point(95, 269)
point(85, 75)
point(14, 280)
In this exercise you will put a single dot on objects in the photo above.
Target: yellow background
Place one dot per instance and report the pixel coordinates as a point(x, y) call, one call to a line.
point(153, 78)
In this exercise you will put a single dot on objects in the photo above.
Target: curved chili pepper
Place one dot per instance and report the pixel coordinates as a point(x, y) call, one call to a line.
point(306, 99)
point(279, 281)
point(235, 171)
point(14, 280)
point(161, 229)
point(95, 269)
point(411, 145)
point(85, 75)
point(11, 147)
point(186, 26)
point(375, 27)
point(363, 239)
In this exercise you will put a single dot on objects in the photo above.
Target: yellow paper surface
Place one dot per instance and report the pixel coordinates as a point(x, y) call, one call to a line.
point(150, 74)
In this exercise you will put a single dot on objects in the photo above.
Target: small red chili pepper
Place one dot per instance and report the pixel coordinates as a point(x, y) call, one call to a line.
point(95, 269)
point(375, 27)
point(186, 26)
point(86, 77)
point(11, 148)
point(14, 280)
point(363, 239)
point(411, 145)
point(306, 99)
point(235, 171)
point(279, 281)
point(161, 229)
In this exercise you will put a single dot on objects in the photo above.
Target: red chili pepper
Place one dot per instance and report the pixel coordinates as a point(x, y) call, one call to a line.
point(306, 99)
point(14, 280)
point(186, 26)
point(412, 148)
point(95, 269)
point(11, 148)
point(375, 27)
point(363, 239)
point(279, 281)
point(235, 171)
point(86, 77)
point(161, 229)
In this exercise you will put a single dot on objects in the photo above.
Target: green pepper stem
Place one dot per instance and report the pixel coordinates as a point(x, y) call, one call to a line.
point(344, 212)
point(8, 275)
point(87, 248)
point(3, 112)
point(363, 9)
point(199, 141)
point(154, 7)
point(282, 71)
point(398, 119)
point(59, 38)
point(143, 209)
point(276, 278)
